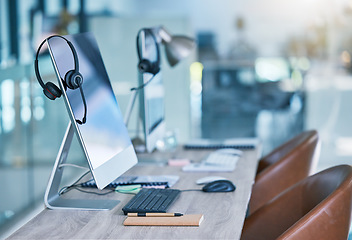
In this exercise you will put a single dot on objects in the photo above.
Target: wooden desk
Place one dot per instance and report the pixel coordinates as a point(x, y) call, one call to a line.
point(224, 213)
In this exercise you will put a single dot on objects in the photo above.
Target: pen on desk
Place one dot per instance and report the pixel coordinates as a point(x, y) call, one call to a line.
point(154, 214)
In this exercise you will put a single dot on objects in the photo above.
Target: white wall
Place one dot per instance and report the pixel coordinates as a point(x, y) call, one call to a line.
point(269, 23)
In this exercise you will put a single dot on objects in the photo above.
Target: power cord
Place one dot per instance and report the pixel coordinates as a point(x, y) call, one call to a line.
point(91, 192)
point(73, 185)
point(72, 165)
point(133, 189)
point(121, 189)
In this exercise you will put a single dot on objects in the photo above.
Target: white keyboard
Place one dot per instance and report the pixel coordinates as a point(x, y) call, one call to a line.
point(221, 159)
point(218, 161)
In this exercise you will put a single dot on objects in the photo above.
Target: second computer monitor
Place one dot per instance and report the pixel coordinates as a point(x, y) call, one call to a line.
point(152, 107)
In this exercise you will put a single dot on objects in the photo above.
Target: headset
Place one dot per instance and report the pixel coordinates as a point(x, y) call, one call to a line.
point(73, 78)
point(145, 65)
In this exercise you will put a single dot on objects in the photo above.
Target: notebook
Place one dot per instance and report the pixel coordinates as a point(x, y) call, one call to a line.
point(240, 143)
point(185, 220)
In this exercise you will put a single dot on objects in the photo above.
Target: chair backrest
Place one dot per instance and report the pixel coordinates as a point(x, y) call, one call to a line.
point(283, 167)
point(318, 207)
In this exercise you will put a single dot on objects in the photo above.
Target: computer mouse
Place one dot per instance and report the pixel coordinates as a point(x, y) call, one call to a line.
point(219, 186)
point(209, 179)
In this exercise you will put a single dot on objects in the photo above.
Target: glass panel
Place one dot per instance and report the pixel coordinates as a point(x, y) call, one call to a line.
point(7, 100)
point(32, 128)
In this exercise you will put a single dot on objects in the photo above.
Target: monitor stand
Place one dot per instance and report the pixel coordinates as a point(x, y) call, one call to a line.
point(54, 200)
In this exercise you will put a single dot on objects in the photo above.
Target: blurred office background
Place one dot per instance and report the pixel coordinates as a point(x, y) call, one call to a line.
point(269, 69)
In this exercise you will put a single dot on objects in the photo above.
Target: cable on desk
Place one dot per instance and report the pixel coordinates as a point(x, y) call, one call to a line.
point(68, 188)
point(76, 186)
point(91, 192)
point(72, 165)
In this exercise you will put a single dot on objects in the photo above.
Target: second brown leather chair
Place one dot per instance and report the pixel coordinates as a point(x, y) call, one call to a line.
point(283, 167)
point(318, 207)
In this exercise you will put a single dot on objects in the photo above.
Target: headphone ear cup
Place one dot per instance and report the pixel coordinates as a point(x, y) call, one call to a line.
point(68, 78)
point(51, 91)
point(155, 69)
point(146, 66)
point(73, 79)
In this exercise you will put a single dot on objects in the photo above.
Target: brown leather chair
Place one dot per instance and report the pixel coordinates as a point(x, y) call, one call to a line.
point(318, 207)
point(283, 167)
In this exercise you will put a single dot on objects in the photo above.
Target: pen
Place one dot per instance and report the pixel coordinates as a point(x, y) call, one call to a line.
point(154, 214)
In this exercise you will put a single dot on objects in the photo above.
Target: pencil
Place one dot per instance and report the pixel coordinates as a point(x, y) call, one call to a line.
point(154, 214)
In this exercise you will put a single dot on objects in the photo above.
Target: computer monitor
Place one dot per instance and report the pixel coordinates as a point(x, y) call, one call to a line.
point(103, 137)
point(152, 107)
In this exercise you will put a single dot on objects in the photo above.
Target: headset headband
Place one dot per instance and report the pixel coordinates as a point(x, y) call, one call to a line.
point(73, 78)
point(150, 32)
point(36, 65)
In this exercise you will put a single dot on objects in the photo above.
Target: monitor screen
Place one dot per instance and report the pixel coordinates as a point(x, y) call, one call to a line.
point(104, 137)
point(152, 95)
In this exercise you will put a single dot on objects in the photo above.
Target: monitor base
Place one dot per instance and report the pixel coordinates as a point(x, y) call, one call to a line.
point(53, 199)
